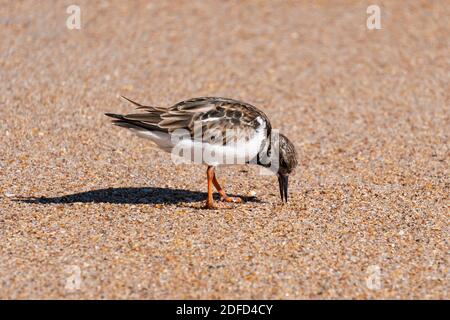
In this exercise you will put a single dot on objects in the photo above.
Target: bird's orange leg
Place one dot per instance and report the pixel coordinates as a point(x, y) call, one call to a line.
point(223, 195)
point(210, 201)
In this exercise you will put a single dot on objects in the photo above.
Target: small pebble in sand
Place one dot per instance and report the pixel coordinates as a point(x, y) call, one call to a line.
point(251, 194)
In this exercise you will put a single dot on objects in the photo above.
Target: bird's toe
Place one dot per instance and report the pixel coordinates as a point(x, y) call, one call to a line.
point(231, 199)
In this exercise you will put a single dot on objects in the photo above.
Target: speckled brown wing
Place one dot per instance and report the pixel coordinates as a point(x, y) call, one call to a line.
point(215, 115)
point(203, 118)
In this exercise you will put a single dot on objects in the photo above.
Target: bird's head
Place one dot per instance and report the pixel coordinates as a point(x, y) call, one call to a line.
point(287, 161)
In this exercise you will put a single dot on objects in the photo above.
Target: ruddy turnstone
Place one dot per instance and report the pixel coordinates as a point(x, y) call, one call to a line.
point(215, 131)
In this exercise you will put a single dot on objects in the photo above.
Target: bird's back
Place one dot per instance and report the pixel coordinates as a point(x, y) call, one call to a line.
point(214, 122)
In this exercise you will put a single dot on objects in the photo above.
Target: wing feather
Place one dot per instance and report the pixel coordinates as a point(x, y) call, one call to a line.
point(211, 114)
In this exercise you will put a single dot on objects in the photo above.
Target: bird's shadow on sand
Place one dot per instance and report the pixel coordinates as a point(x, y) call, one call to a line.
point(147, 195)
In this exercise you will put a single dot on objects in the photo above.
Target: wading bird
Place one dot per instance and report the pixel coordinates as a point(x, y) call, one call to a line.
point(219, 129)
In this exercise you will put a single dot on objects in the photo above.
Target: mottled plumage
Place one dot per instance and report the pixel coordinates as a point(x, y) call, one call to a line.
point(211, 112)
point(215, 125)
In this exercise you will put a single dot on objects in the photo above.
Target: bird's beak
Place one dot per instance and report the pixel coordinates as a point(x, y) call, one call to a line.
point(283, 181)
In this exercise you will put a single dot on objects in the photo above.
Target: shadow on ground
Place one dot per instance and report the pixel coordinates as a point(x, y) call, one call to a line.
point(148, 195)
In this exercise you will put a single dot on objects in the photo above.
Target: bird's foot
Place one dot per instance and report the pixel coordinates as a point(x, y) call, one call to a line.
point(231, 199)
point(209, 205)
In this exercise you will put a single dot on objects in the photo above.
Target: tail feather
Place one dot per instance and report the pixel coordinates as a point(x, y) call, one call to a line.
point(141, 122)
point(141, 106)
point(121, 121)
point(114, 115)
point(134, 102)
point(159, 136)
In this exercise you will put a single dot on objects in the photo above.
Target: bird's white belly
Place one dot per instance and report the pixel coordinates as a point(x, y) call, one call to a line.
point(240, 152)
point(187, 150)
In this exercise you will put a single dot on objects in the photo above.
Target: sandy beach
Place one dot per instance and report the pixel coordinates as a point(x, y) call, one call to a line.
point(90, 211)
